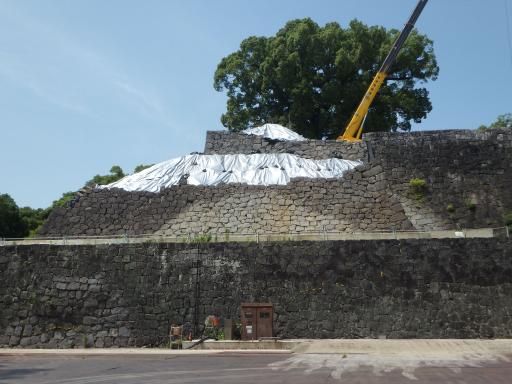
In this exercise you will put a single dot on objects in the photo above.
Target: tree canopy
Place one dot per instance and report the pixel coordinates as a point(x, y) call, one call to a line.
point(26, 221)
point(142, 167)
point(116, 173)
point(11, 222)
point(503, 121)
point(312, 78)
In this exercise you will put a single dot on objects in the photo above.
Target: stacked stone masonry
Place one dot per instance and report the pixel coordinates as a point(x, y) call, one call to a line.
point(467, 174)
point(129, 295)
point(228, 143)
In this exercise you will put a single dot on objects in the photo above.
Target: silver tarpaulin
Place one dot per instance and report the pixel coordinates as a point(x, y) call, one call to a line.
point(256, 169)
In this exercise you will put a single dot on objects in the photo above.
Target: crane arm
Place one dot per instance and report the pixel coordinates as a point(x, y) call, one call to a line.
point(354, 128)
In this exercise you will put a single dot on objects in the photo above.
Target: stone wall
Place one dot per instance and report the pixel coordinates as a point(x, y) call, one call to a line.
point(225, 143)
point(467, 174)
point(301, 206)
point(129, 295)
point(470, 171)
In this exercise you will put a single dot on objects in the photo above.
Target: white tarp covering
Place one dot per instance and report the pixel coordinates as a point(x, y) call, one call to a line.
point(257, 169)
point(275, 132)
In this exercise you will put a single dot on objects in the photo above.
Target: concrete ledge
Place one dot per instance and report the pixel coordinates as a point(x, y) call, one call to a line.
point(240, 345)
point(270, 237)
point(126, 351)
point(438, 348)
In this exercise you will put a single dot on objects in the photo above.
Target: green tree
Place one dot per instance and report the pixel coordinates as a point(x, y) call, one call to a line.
point(142, 167)
point(11, 222)
point(503, 121)
point(20, 222)
point(34, 218)
point(311, 78)
point(116, 173)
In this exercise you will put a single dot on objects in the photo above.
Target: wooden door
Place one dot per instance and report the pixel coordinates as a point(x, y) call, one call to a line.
point(264, 322)
point(249, 317)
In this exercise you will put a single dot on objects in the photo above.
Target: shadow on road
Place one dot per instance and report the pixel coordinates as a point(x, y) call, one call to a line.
point(7, 375)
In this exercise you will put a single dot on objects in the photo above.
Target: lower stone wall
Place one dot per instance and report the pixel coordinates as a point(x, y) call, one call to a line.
point(129, 295)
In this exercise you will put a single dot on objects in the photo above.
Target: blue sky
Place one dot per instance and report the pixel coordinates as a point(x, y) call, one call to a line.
point(88, 84)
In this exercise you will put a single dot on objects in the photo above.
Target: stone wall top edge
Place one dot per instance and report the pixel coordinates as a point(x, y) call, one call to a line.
point(447, 133)
point(255, 137)
point(265, 244)
point(451, 133)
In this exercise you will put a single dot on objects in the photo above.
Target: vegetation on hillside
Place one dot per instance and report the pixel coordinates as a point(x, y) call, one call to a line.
point(25, 221)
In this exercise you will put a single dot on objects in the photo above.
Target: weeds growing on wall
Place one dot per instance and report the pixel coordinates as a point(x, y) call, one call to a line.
point(202, 238)
point(418, 187)
point(470, 205)
point(508, 220)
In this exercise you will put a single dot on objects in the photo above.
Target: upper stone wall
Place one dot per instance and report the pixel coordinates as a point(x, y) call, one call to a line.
point(226, 143)
point(467, 174)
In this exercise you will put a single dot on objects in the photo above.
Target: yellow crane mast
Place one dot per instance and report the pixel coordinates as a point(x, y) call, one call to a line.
point(354, 128)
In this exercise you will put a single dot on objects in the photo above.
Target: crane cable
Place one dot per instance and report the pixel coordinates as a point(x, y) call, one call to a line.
point(509, 37)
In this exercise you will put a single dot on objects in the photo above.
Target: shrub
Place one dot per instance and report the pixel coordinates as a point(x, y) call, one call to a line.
point(450, 208)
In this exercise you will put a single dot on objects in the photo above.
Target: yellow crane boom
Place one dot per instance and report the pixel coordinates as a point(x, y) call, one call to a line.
point(354, 128)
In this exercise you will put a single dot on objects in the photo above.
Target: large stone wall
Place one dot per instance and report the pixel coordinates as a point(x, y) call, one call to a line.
point(301, 206)
point(226, 143)
point(468, 180)
point(469, 170)
point(129, 295)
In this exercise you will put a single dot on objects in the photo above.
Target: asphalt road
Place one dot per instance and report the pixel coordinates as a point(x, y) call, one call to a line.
point(231, 367)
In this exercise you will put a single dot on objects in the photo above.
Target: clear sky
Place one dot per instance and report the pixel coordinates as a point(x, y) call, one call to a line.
point(88, 84)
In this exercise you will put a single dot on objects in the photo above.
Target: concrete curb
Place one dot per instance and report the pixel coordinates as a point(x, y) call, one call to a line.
point(130, 352)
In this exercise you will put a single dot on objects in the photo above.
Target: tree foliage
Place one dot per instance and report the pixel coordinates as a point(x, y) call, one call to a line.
point(503, 121)
point(20, 222)
point(11, 222)
point(34, 218)
point(116, 173)
point(142, 167)
point(312, 78)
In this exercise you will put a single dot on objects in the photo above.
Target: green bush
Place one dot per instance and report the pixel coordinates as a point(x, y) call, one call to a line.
point(450, 208)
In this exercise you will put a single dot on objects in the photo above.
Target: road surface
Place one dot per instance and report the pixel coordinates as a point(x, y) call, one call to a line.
point(262, 368)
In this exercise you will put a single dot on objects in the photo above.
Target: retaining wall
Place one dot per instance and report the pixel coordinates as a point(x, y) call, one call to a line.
point(129, 295)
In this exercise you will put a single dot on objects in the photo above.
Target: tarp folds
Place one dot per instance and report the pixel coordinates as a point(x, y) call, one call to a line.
point(275, 132)
point(256, 169)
